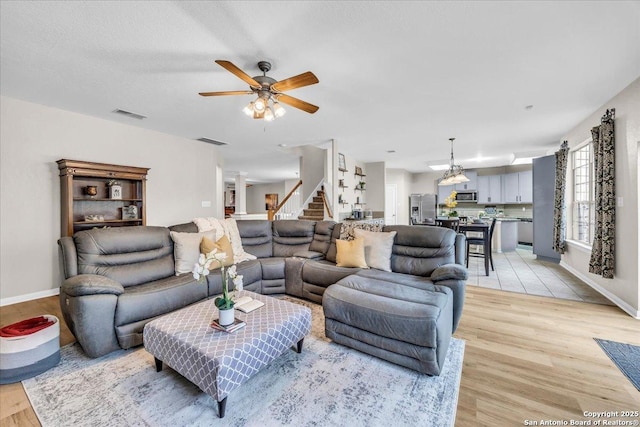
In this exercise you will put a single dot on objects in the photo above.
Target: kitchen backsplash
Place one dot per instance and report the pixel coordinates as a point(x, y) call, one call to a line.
point(516, 211)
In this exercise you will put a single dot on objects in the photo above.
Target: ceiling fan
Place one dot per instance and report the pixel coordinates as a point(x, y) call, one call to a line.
point(268, 89)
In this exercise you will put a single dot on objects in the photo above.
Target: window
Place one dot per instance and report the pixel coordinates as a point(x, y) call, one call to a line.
point(583, 194)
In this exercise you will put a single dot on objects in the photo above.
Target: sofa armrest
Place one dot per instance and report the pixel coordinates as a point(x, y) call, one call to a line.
point(309, 255)
point(91, 284)
point(448, 272)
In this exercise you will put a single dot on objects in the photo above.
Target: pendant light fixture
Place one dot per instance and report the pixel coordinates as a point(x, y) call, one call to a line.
point(455, 173)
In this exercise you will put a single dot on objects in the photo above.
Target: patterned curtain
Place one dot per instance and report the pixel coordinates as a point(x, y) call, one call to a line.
point(603, 249)
point(559, 208)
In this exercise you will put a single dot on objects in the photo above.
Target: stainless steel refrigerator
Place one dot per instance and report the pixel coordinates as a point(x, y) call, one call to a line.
point(423, 208)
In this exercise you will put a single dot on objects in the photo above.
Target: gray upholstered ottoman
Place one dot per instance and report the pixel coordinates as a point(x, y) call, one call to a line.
point(219, 362)
point(405, 325)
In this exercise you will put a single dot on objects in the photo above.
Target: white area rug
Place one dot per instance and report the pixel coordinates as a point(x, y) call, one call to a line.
point(326, 385)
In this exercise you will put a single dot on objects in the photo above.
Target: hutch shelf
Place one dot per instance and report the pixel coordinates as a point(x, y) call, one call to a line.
point(86, 200)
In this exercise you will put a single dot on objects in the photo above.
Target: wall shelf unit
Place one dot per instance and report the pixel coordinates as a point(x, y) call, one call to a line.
point(76, 177)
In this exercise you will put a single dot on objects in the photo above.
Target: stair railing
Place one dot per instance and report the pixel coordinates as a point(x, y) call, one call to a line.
point(289, 207)
point(313, 194)
point(326, 202)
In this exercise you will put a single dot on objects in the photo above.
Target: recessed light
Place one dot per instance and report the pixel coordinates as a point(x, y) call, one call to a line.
point(391, 151)
point(282, 145)
point(528, 107)
point(439, 167)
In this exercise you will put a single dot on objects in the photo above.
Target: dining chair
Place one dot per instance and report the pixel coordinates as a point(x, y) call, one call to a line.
point(449, 223)
point(479, 241)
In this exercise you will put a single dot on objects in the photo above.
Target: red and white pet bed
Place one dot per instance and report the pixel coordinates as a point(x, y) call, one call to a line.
point(29, 348)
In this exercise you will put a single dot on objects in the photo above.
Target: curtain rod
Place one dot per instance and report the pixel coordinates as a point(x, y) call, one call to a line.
point(610, 114)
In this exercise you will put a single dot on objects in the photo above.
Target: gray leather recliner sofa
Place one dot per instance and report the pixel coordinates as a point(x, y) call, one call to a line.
point(119, 279)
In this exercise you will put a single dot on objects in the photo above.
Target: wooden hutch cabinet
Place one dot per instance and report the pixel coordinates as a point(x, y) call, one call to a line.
point(88, 198)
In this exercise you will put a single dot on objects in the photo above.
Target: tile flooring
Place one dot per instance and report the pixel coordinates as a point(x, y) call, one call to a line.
point(521, 272)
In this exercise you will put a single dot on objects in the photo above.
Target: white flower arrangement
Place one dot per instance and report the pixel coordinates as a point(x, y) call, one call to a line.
point(201, 271)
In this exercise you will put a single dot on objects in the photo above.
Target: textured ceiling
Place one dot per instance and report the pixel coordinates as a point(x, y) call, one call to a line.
point(401, 76)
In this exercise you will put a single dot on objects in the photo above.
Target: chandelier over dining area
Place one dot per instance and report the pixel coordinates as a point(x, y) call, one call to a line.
point(455, 173)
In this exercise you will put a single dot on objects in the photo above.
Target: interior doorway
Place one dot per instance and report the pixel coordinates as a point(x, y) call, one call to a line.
point(391, 204)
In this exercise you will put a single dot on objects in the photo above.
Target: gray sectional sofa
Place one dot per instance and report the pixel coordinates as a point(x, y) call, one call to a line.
point(119, 279)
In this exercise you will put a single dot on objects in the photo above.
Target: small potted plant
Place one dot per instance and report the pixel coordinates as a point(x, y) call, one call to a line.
point(361, 185)
point(225, 303)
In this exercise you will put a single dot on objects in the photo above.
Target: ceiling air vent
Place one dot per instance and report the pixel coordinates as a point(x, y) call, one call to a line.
point(211, 141)
point(129, 114)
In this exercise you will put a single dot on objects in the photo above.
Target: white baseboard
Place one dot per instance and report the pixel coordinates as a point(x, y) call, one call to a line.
point(611, 297)
point(29, 297)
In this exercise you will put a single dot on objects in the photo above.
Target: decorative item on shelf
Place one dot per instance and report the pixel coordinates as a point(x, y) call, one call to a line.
point(341, 183)
point(91, 191)
point(455, 173)
point(357, 200)
point(94, 218)
point(130, 212)
point(225, 302)
point(358, 171)
point(115, 189)
point(342, 164)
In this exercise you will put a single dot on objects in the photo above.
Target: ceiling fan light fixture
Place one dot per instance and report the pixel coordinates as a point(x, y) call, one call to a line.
point(248, 110)
point(259, 105)
point(268, 115)
point(278, 109)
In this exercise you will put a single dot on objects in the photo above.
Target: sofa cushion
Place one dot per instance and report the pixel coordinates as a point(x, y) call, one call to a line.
point(256, 237)
point(128, 255)
point(159, 297)
point(209, 224)
point(350, 253)
point(420, 250)
point(186, 249)
point(449, 271)
point(322, 236)
point(233, 233)
point(332, 251)
point(377, 247)
point(324, 273)
point(290, 237)
point(222, 245)
point(272, 268)
point(389, 309)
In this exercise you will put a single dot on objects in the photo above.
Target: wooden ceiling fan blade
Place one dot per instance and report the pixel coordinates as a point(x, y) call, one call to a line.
point(298, 103)
point(301, 80)
point(238, 73)
point(229, 92)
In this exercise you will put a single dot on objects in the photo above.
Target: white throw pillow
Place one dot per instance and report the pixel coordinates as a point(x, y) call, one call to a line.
point(232, 233)
point(378, 247)
point(186, 249)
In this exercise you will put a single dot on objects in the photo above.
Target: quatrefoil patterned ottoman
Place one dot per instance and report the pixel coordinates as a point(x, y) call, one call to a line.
point(219, 362)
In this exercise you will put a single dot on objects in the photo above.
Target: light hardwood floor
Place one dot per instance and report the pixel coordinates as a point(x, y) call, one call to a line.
point(527, 358)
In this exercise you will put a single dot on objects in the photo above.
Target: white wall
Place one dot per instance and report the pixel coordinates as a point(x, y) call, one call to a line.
point(376, 183)
point(32, 137)
point(425, 182)
point(624, 287)
point(256, 193)
point(312, 168)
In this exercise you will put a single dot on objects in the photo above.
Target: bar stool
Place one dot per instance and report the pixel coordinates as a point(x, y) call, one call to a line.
point(480, 241)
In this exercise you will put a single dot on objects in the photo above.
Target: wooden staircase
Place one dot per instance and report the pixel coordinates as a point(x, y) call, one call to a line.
point(315, 210)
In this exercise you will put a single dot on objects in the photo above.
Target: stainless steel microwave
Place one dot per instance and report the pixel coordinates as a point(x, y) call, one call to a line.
point(467, 196)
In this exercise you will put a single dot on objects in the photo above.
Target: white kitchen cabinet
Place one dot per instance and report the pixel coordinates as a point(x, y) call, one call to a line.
point(518, 187)
point(471, 185)
point(526, 187)
point(490, 189)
